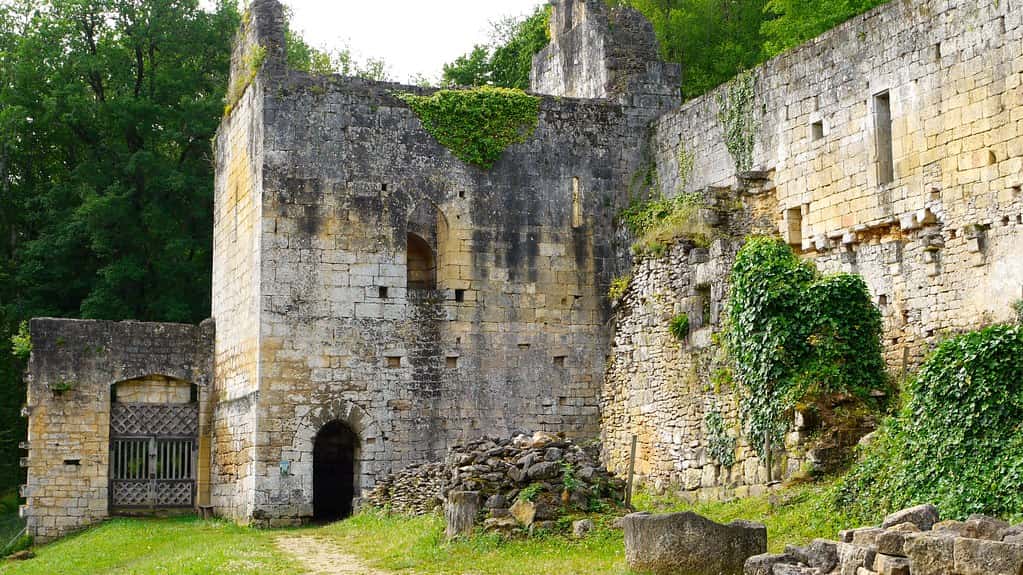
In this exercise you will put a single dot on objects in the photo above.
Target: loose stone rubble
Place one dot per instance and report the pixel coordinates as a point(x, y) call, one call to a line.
point(523, 481)
point(910, 542)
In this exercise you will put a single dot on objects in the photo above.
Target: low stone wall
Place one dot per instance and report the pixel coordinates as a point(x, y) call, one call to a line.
point(910, 541)
point(73, 367)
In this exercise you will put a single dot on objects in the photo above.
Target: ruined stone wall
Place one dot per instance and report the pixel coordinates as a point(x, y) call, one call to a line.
point(73, 366)
point(236, 245)
point(952, 73)
point(938, 246)
point(601, 52)
point(512, 336)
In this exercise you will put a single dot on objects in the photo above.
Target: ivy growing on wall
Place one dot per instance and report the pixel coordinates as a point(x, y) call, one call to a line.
point(794, 335)
point(679, 327)
point(720, 445)
point(738, 119)
point(957, 442)
point(477, 125)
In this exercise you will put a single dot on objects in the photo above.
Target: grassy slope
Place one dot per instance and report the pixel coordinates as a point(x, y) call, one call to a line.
point(184, 546)
point(400, 544)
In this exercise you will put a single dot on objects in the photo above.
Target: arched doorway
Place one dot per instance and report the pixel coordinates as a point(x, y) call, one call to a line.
point(335, 453)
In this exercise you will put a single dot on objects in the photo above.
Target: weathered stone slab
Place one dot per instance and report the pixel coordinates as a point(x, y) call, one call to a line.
point(923, 516)
point(931, 553)
point(688, 543)
point(764, 563)
point(983, 557)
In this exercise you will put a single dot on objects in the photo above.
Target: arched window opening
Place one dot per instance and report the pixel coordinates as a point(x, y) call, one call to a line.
point(421, 264)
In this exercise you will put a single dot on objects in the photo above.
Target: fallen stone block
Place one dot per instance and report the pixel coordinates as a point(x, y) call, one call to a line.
point(867, 536)
point(763, 564)
point(888, 565)
point(852, 557)
point(783, 569)
point(892, 542)
point(931, 553)
point(983, 527)
point(581, 528)
point(984, 557)
point(820, 554)
point(923, 516)
point(674, 543)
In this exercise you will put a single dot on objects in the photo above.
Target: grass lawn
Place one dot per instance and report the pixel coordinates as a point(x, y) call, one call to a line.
point(180, 546)
point(400, 544)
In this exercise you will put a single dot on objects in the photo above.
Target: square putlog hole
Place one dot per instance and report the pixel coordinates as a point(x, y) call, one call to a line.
point(393, 362)
point(559, 361)
point(451, 362)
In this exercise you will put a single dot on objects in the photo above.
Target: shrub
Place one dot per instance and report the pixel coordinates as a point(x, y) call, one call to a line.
point(478, 124)
point(795, 334)
point(21, 342)
point(679, 326)
point(958, 441)
point(1017, 306)
point(618, 287)
point(660, 222)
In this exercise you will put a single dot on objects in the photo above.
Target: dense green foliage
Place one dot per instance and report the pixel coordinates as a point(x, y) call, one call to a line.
point(720, 445)
point(658, 222)
point(738, 119)
point(507, 60)
point(618, 287)
point(478, 124)
point(714, 40)
point(789, 23)
point(107, 112)
point(301, 56)
point(678, 327)
point(958, 441)
point(794, 335)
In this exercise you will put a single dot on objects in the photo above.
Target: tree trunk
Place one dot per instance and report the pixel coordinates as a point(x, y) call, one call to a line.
point(461, 511)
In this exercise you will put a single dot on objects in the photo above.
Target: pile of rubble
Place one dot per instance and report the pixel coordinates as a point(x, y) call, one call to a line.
point(910, 542)
point(529, 478)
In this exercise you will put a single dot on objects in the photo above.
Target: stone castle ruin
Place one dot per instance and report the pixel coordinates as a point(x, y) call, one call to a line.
point(377, 301)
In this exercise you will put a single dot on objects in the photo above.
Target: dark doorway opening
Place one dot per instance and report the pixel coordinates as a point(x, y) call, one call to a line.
point(422, 266)
point(334, 470)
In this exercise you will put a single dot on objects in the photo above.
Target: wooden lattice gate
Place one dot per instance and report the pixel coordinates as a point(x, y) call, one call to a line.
point(153, 452)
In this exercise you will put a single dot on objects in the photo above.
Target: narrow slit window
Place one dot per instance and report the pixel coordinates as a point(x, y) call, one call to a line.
point(883, 138)
point(459, 295)
point(817, 131)
point(577, 204)
point(794, 226)
point(382, 292)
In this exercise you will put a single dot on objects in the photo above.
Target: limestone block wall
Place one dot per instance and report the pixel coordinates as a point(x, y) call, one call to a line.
point(511, 336)
point(949, 74)
point(73, 366)
point(938, 245)
point(236, 246)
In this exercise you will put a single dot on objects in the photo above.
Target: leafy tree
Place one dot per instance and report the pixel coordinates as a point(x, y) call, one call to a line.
point(302, 56)
point(508, 59)
point(792, 22)
point(107, 112)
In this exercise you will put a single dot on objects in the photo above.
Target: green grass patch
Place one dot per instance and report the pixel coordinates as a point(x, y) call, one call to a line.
point(417, 544)
point(796, 515)
point(183, 546)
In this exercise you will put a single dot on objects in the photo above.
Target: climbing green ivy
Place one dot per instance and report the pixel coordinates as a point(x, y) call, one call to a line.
point(478, 124)
point(720, 445)
point(738, 119)
point(686, 163)
point(795, 335)
point(957, 442)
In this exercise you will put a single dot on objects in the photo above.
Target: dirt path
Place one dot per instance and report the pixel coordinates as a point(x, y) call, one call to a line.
point(322, 557)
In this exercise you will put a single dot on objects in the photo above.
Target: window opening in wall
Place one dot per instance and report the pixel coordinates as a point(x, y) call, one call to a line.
point(382, 292)
point(882, 300)
point(952, 234)
point(73, 462)
point(1005, 221)
point(992, 159)
point(1019, 219)
point(1001, 24)
point(883, 138)
point(577, 204)
point(559, 361)
point(935, 194)
point(421, 264)
point(937, 51)
point(458, 341)
point(703, 308)
point(461, 194)
point(817, 130)
point(451, 362)
point(794, 226)
point(383, 187)
point(1017, 191)
point(393, 362)
point(459, 295)
point(523, 346)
